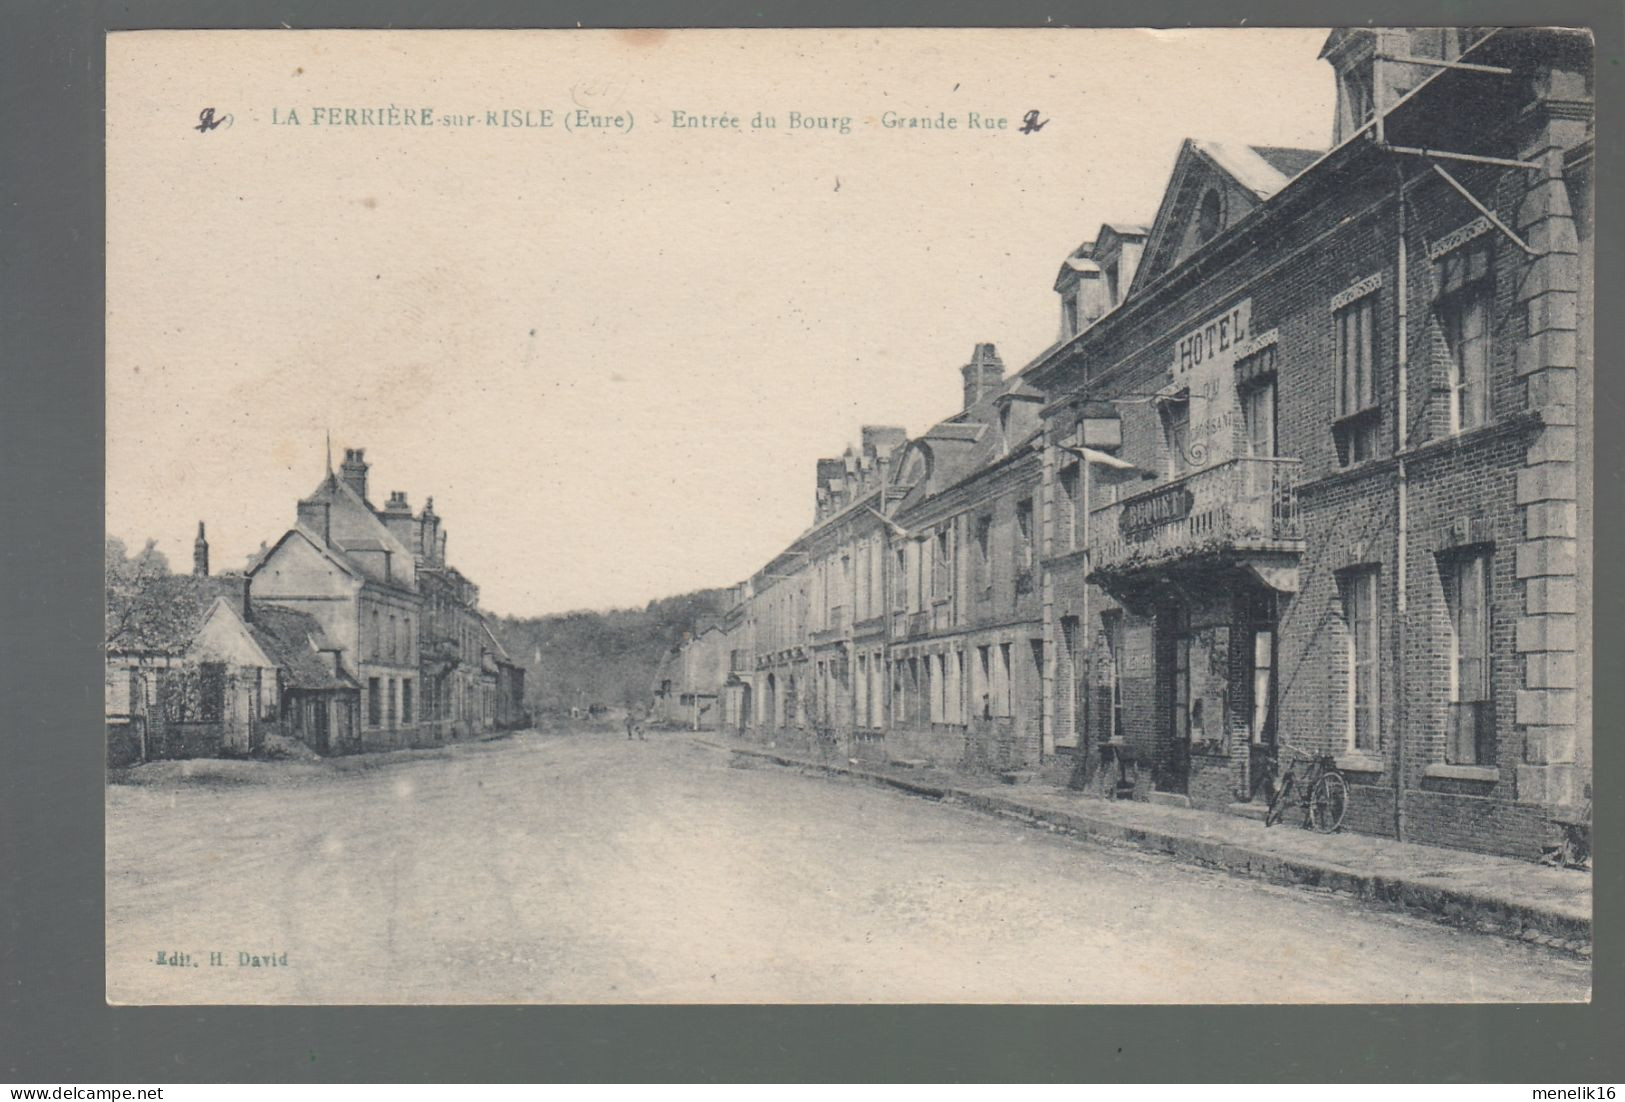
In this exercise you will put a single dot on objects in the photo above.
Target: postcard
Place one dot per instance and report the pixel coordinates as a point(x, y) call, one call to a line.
point(849, 516)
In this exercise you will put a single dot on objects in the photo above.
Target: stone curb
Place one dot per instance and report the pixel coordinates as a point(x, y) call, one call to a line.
point(1442, 903)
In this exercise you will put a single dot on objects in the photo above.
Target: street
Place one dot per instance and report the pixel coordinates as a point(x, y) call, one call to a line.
point(583, 868)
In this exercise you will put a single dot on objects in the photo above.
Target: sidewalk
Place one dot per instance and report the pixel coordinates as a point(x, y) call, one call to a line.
point(1501, 895)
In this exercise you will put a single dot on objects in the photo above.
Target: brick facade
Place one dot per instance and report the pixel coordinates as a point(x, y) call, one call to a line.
point(1313, 473)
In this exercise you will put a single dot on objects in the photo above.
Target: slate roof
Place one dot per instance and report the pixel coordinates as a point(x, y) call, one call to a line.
point(1286, 160)
point(293, 640)
point(1261, 169)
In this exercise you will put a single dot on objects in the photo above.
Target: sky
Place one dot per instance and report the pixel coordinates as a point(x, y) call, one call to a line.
point(611, 355)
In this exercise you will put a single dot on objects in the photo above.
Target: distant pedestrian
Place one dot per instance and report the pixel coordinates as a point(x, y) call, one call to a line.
point(631, 724)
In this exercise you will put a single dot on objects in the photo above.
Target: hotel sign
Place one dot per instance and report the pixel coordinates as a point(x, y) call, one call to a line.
point(1212, 346)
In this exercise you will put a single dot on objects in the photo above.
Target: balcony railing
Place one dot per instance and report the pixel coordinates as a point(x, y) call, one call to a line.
point(1242, 505)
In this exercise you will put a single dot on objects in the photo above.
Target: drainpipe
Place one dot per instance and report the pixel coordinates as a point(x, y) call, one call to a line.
point(1402, 529)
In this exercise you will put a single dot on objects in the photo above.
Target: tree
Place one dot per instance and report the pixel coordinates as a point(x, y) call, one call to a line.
point(145, 610)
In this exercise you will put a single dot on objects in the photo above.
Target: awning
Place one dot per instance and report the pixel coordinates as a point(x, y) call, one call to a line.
point(1114, 468)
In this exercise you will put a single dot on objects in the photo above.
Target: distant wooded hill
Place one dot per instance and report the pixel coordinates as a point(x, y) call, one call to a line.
point(600, 657)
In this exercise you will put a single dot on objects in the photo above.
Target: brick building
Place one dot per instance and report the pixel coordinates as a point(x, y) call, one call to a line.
point(1362, 396)
point(1308, 464)
point(405, 623)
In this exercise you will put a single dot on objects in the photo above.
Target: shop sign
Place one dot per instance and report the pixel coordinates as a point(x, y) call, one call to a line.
point(1140, 515)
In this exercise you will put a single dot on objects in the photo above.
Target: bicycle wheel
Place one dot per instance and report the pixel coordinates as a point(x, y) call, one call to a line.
point(1283, 799)
point(1327, 802)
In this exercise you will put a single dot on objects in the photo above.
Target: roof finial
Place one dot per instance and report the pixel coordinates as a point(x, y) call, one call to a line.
point(329, 453)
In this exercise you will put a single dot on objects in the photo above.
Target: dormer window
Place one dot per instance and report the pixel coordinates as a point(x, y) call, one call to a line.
point(1356, 71)
point(1071, 319)
point(1358, 99)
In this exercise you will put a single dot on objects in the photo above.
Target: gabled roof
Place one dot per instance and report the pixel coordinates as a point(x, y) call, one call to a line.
point(300, 532)
point(1246, 174)
point(373, 534)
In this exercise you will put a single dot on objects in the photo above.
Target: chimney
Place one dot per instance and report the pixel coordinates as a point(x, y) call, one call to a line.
point(882, 440)
point(354, 470)
point(315, 515)
point(983, 374)
point(429, 532)
point(397, 517)
point(200, 554)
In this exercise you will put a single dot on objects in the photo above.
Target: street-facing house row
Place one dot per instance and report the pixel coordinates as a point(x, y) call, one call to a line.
point(1309, 464)
point(350, 632)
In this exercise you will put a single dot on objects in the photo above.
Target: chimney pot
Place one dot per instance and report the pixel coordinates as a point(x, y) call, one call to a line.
point(354, 471)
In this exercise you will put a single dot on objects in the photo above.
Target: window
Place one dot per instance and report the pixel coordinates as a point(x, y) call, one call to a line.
point(377, 639)
point(1112, 625)
point(956, 687)
point(374, 701)
point(1355, 361)
point(1258, 417)
point(1024, 546)
point(406, 640)
point(983, 683)
point(1359, 592)
point(389, 704)
point(1066, 684)
point(940, 575)
point(1036, 646)
point(1263, 685)
point(211, 691)
point(914, 689)
point(876, 576)
point(407, 714)
point(1002, 707)
point(1210, 217)
point(1176, 431)
point(1464, 314)
point(1111, 285)
point(1472, 718)
point(984, 553)
point(1071, 506)
point(1359, 104)
point(900, 584)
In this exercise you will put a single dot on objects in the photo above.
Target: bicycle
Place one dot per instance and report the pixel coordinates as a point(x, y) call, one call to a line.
point(1323, 794)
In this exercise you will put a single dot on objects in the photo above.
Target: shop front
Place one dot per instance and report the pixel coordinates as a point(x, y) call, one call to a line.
point(1200, 571)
